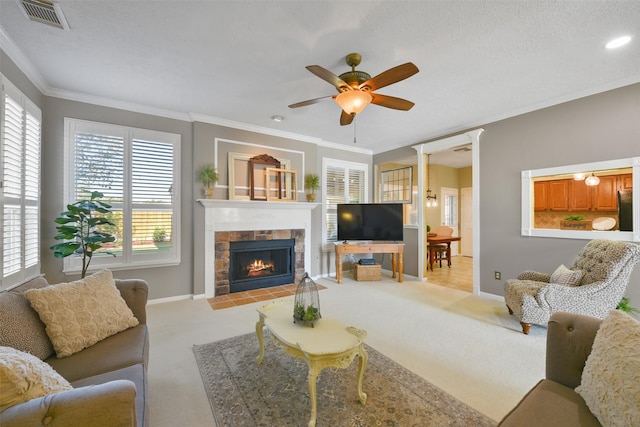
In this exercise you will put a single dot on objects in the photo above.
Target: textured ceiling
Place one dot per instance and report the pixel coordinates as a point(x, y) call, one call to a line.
point(241, 62)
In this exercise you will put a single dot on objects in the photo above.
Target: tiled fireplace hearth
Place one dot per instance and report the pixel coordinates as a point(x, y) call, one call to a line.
point(239, 220)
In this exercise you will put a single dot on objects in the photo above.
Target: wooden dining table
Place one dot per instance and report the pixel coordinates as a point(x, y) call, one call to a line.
point(436, 240)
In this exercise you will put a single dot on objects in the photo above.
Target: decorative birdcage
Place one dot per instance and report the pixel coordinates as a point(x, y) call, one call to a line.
point(306, 308)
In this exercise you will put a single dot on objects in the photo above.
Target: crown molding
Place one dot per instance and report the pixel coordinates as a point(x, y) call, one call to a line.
point(114, 103)
point(11, 49)
point(23, 63)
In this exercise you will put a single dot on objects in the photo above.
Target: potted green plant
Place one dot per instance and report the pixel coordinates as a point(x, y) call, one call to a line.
point(208, 176)
point(625, 305)
point(575, 222)
point(80, 227)
point(311, 184)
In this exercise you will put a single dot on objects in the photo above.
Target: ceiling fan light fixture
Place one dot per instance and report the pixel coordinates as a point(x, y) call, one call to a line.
point(353, 102)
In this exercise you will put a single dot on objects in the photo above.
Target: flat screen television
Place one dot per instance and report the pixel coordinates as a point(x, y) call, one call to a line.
point(370, 221)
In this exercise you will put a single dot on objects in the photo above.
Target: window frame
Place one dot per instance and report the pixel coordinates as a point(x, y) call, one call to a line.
point(527, 202)
point(128, 260)
point(29, 108)
point(328, 162)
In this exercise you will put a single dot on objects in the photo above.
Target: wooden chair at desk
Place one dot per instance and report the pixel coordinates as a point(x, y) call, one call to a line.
point(439, 249)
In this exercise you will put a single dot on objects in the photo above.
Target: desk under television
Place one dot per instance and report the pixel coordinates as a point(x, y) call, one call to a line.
point(394, 248)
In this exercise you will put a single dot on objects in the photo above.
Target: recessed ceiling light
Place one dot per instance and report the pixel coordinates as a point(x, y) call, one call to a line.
point(277, 118)
point(620, 41)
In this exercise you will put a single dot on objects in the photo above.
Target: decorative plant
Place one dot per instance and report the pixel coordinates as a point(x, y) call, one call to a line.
point(574, 218)
point(625, 305)
point(208, 175)
point(159, 235)
point(311, 183)
point(80, 227)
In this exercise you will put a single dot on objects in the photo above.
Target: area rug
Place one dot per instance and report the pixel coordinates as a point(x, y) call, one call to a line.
point(275, 393)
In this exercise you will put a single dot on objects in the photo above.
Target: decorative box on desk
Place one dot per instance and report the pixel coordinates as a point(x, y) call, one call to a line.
point(367, 272)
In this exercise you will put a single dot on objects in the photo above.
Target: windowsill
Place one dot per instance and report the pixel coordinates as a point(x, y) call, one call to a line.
point(623, 236)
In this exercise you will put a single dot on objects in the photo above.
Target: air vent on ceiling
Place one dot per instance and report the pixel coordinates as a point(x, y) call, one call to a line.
point(464, 148)
point(46, 12)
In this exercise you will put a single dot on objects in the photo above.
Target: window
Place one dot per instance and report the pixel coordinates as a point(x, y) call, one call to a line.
point(137, 171)
point(344, 182)
point(544, 212)
point(397, 185)
point(20, 127)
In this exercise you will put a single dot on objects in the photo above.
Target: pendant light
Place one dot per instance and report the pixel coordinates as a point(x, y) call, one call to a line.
point(592, 180)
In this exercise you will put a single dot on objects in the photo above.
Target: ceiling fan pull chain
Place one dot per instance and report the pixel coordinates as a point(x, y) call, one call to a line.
point(355, 122)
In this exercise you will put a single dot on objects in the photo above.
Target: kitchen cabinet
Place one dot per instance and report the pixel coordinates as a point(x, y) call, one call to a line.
point(558, 195)
point(570, 195)
point(540, 195)
point(580, 196)
point(626, 182)
point(605, 194)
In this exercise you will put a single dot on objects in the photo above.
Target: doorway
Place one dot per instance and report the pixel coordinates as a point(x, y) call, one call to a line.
point(469, 139)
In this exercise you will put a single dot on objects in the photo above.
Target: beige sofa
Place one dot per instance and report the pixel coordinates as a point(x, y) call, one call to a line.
point(109, 378)
point(553, 401)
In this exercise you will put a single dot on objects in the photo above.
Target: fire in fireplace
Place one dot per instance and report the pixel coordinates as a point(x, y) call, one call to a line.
point(258, 264)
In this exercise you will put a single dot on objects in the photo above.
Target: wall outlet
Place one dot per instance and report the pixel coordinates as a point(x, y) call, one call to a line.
point(497, 275)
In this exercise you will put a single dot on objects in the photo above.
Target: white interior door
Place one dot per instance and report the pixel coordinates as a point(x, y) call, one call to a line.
point(449, 213)
point(466, 222)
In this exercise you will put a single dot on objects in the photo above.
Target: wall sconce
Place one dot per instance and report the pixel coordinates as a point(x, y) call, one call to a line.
point(592, 180)
point(579, 176)
point(432, 200)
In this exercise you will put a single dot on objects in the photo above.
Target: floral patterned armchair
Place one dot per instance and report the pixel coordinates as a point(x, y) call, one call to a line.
point(602, 270)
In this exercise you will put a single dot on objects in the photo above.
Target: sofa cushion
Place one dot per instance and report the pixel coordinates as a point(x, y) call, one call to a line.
point(566, 277)
point(22, 328)
point(24, 377)
point(81, 313)
point(611, 377)
point(129, 347)
point(550, 404)
point(136, 374)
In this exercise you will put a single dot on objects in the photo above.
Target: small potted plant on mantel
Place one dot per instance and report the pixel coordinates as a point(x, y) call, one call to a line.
point(208, 176)
point(311, 183)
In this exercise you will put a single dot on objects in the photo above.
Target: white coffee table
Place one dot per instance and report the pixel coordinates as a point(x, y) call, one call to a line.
point(328, 344)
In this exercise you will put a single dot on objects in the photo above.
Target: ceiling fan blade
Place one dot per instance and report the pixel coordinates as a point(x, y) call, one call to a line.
point(392, 75)
point(345, 119)
point(328, 76)
point(391, 102)
point(310, 101)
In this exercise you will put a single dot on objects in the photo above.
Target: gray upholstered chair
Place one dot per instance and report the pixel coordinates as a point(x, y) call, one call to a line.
point(605, 266)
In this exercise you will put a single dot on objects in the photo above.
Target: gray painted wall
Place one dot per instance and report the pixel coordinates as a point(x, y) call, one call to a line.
point(600, 127)
point(163, 281)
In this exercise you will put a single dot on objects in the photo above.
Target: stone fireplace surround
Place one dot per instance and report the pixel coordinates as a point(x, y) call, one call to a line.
point(224, 238)
point(236, 216)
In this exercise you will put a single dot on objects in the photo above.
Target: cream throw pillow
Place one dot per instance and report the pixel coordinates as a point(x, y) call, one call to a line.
point(81, 313)
point(611, 377)
point(24, 377)
point(565, 276)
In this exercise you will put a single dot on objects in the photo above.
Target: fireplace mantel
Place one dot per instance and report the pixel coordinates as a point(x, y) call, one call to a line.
point(243, 215)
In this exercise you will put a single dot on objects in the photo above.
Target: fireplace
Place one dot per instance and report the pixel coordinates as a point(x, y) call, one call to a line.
point(256, 264)
point(229, 221)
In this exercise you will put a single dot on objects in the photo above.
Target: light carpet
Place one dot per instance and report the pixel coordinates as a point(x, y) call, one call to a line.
point(275, 393)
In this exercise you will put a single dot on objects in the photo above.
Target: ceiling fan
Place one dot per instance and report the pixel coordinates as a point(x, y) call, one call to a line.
point(356, 88)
